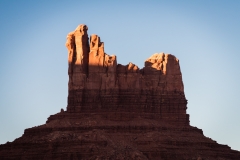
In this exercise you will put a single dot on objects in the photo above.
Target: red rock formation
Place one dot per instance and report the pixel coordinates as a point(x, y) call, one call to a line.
point(118, 112)
point(156, 89)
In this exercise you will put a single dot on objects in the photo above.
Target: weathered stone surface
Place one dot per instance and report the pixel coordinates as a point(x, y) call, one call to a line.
point(118, 111)
point(78, 56)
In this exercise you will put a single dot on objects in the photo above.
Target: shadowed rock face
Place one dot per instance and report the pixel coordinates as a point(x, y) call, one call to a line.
point(118, 111)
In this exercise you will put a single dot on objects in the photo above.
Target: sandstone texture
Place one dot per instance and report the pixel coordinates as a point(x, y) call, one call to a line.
point(119, 112)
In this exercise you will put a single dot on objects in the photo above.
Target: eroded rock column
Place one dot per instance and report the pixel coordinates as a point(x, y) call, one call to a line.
point(78, 56)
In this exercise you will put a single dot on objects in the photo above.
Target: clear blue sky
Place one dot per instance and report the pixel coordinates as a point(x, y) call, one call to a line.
point(203, 34)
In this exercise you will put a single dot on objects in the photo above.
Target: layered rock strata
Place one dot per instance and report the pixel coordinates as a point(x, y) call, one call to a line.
point(119, 112)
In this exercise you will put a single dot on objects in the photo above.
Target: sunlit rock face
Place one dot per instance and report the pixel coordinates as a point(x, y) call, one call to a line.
point(118, 112)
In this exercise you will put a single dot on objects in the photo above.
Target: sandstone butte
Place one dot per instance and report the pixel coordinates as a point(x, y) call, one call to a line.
point(118, 112)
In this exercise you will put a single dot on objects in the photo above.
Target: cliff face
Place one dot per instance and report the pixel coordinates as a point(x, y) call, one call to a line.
point(98, 83)
point(118, 111)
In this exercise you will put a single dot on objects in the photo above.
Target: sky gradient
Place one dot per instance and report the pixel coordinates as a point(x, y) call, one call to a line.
point(204, 35)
